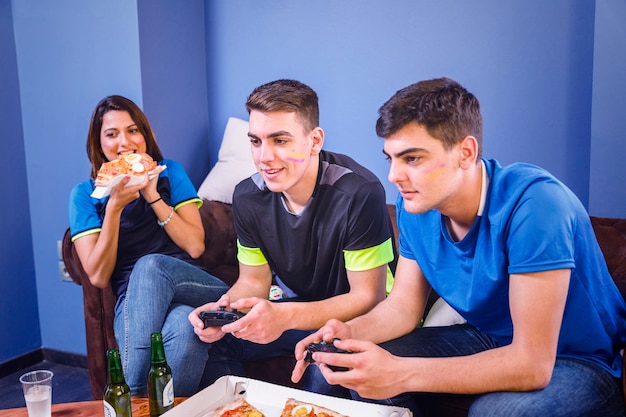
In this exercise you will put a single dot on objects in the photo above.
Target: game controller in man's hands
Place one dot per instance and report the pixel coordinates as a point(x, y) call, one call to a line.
point(220, 317)
point(324, 347)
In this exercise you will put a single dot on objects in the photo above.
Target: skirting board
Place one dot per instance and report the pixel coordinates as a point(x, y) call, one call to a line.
point(39, 355)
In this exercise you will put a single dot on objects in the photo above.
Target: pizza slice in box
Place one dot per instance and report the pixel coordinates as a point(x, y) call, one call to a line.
point(297, 408)
point(236, 408)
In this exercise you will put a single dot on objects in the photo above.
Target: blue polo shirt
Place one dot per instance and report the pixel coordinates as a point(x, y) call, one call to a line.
point(531, 223)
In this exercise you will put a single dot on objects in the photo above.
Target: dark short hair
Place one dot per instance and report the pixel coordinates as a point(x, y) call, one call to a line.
point(107, 104)
point(445, 108)
point(287, 96)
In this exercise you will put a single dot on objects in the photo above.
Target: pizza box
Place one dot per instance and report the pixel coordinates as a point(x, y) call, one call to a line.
point(270, 399)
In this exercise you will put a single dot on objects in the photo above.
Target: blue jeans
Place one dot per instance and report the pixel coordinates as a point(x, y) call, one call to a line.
point(577, 388)
point(161, 293)
point(227, 355)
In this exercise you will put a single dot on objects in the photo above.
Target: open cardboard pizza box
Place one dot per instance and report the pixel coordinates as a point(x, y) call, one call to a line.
point(270, 399)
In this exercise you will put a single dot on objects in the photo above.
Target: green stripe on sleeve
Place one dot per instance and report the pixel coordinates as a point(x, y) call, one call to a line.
point(389, 283)
point(198, 202)
point(250, 256)
point(85, 233)
point(370, 258)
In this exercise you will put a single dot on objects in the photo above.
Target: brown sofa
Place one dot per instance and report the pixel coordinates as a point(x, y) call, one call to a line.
point(220, 259)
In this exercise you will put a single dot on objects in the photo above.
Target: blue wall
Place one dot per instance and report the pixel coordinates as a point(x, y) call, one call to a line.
point(607, 192)
point(530, 63)
point(19, 322)
point(69, 55)
point(545, 83)
point(173, 74)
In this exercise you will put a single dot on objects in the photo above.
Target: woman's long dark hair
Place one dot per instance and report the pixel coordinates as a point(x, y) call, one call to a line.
point(94, 149)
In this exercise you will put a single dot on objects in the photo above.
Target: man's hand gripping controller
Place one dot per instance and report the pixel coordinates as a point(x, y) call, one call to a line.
point(324, 347)
point(219, 317)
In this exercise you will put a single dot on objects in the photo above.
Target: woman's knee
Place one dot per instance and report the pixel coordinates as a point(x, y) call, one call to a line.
point(151, 273)
point(177, 325)
point(151, 262)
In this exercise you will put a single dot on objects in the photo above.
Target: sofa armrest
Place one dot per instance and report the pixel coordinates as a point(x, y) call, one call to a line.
point(99, 311)
point(70, 259)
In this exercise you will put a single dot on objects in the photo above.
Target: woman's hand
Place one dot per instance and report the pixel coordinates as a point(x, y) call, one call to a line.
point(149, 185)
point(122, 194)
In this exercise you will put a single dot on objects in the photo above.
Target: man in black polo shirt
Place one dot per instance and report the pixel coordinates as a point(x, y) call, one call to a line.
point(316, 221)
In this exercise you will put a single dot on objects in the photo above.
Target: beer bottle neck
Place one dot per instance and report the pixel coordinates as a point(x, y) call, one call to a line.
point(157, 352)
point(115, 373)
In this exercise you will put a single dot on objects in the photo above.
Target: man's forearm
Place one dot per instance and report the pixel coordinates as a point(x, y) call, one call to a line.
point(314, 314)
point(381, 324)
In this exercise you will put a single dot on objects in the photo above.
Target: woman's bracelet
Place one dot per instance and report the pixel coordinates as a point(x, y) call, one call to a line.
point(166, 221)
point(152, 202)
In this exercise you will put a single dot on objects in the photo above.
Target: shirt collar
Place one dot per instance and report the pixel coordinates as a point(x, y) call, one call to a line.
point(483, 189)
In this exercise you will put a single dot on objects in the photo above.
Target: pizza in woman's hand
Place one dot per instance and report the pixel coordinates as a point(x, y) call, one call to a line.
point(136, 164)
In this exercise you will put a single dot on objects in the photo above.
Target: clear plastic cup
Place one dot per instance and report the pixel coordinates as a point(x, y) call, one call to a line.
point(37, 387)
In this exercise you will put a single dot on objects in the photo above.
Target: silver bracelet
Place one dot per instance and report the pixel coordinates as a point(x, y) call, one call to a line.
point(166, 221)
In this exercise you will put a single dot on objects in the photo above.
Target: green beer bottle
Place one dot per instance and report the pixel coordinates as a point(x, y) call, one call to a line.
point(160, 382)
point(116, 391)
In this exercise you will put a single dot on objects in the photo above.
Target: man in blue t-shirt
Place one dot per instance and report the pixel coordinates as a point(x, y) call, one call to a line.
point(312, 221)
point(511, 249)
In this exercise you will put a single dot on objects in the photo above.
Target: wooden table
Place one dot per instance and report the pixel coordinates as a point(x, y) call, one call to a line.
point(86, 408)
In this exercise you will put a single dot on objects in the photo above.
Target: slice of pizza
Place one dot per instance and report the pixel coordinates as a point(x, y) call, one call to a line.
point(296, 408)
point(127, 164)
point(236, 408)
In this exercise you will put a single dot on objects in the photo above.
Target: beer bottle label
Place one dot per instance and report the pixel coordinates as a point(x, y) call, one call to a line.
point(168, 393)
point(109, 411)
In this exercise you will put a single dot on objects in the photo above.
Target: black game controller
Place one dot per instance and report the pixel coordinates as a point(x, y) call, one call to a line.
point(220, 317)
point(324, 347)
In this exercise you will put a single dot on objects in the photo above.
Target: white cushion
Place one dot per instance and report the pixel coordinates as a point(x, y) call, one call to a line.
point(441, 314)
point(234, 163)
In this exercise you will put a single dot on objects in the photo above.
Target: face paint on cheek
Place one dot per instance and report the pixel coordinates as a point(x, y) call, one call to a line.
point(431, 175)
point(296, 157)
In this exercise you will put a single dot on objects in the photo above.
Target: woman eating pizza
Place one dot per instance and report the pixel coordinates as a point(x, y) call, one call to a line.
point(143, 239)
